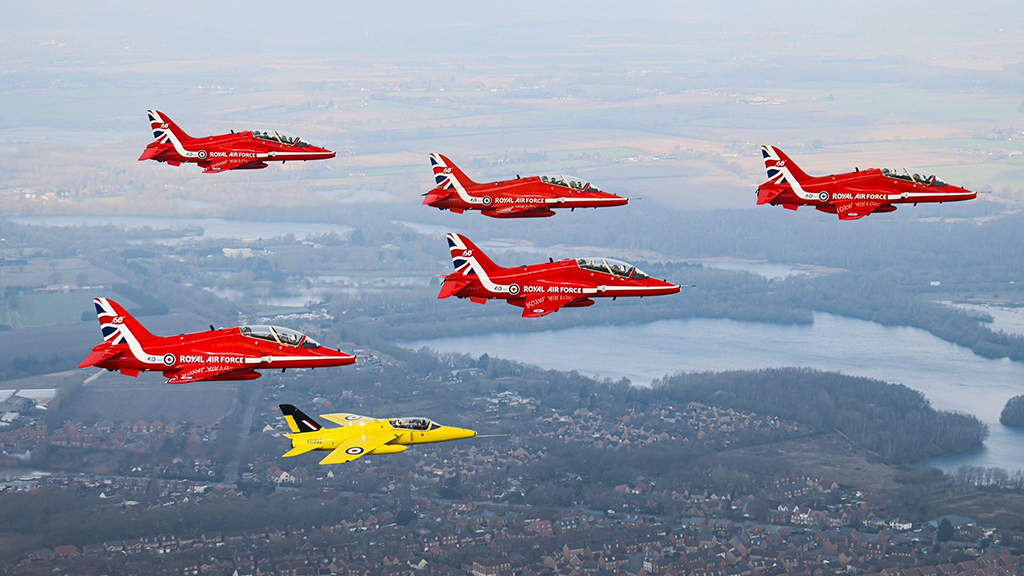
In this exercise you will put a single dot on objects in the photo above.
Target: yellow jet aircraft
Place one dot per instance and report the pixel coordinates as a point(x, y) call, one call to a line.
point(358, 436)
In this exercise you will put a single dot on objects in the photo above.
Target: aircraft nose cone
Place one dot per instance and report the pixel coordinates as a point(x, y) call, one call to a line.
point(338, 358)
point(462, 433)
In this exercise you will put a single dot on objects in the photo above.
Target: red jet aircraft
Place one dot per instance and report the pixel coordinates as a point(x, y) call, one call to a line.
point(852, 195)
point(530, 197)
point(224, 354)
point(541, 289)
point(234, 151)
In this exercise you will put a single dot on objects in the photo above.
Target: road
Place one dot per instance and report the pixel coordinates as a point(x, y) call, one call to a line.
point(231, 471)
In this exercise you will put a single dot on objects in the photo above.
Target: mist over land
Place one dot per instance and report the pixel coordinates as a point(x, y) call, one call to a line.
point(664, 102)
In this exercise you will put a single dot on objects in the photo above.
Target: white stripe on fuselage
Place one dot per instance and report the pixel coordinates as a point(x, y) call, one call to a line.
point(186, 153)
point(794, 184)
point(564, 200)
point(270, 359)
point(134, 346)
point(459, 189)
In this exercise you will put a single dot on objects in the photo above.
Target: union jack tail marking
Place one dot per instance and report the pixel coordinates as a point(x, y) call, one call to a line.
point(447, 175)
point(467, 258)
point(779, 166)
point(164, 129)
point(118, 326)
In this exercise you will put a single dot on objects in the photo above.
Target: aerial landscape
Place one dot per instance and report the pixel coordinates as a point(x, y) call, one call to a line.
point(257, 339)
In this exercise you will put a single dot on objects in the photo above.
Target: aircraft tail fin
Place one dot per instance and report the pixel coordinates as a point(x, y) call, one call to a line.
point(468, 259)
point(297, 421)
point(164, 129)
point(780, 168)
point(447, 175)
point(118, 326)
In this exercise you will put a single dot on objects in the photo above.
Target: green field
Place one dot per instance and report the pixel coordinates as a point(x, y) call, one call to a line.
point(42, 271)
point(47, 308)
point(830, 457)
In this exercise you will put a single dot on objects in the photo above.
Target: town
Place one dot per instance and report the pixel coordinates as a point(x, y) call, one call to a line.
point(563, 494)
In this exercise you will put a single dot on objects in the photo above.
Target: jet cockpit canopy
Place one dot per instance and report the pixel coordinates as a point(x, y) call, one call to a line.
point(413, 423)
point(273, 136)
point(611, 266)
point(571, 182)
point(920, 177)
point(279, 335)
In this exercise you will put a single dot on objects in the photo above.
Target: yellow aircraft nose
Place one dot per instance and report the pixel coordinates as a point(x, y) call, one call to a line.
point(452, 433)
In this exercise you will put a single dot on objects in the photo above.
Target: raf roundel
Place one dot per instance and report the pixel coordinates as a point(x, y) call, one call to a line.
point(202, 154)
point(823, 196)
point(354, 451)
point(352, 417)
point(169, 359)
point(488, 200)
point(513, 289)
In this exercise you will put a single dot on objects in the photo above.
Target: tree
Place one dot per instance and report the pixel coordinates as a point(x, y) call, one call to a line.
point(405, 517)
point(1013, 412)
point(945, 533)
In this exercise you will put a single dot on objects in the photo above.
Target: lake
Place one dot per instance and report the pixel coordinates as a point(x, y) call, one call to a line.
point(950, 376)
point(1005, 318)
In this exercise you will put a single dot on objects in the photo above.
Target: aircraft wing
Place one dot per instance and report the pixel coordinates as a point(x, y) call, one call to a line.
point(514, 209)
point(523, 210)
point(357, 447)
point(212, 372)
point(346, 419)
point(230, 164)
point(857, 209)
point(542, 305)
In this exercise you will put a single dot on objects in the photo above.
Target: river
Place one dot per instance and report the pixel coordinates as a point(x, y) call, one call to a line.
point(950, 376)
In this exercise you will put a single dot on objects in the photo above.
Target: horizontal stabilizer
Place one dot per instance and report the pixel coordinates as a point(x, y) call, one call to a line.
point(97, 356)
point(299, 450)
point(154, 149)
point(452, 286)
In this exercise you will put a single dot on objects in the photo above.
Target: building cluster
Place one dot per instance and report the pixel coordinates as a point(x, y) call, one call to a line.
point(694, 423)
point(370, 537)
point(140, 436)
point(105, 435)
point(479, 520)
